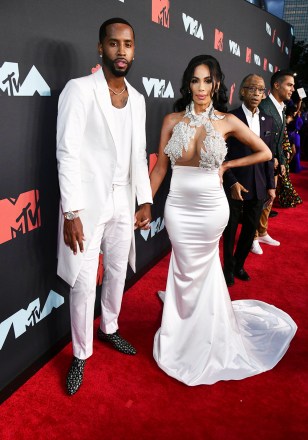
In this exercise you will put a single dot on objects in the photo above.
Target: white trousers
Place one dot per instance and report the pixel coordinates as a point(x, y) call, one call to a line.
point(113, 234)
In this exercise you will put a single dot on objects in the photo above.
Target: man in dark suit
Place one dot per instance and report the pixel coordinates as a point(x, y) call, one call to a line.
point(247, 188)
point(282, 87)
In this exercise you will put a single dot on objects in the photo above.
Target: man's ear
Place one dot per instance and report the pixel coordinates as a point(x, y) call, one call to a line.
point(100, 49)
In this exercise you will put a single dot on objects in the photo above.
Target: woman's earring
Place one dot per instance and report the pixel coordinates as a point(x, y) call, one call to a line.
point(101, 55)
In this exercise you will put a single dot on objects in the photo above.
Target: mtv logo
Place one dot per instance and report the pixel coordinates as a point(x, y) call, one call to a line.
point(100, 270)
point(286, 49)
point(152, 161)
point(273, 35)
point(155, 227)
point(10, 84)
point(278, 42)
point(26, 318)
point(270, 67)
point(265, 64)
point(234, 48)
point(282, 46)
point(160, 12)
point(19, 216)
point(219, 39)
point(276, 68)
point(248, 55)
point(159, 87)
point(268, 29)
point(192, 26)
point(232, 89)
point(257, 59)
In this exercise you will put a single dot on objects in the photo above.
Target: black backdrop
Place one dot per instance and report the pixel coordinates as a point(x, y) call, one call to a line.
point(43, 44)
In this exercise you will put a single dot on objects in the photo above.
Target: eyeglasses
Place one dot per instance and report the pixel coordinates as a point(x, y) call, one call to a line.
point(252, 89)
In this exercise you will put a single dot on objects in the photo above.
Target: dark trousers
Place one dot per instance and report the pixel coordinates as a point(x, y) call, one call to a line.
point(249, 211)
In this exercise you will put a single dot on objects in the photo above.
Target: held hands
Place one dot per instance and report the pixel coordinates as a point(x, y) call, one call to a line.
point(73, 234)
point(236, 191)
point(143, 217)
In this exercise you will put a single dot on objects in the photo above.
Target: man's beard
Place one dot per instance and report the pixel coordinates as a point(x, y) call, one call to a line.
point(110, 65)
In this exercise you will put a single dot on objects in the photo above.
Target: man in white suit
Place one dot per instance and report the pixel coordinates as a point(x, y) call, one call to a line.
point(101, 153)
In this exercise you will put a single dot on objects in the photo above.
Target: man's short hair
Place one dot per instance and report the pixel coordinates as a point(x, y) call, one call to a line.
point(280, 75)
point(103, 28)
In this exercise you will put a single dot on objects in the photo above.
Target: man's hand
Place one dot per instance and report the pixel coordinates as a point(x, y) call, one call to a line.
point(271, 197)
point(282, 170)
point(143, 217)
point(73, 234)
point(275, 163)
point(236, 191)
point(222, 169)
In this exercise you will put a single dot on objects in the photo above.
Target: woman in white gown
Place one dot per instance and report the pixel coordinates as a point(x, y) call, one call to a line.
point(204, 337)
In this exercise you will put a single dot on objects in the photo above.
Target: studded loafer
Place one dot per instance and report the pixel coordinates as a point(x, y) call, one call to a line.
point(116, 340)
point(75, 376)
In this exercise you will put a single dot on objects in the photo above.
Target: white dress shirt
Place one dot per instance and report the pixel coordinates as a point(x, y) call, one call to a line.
point(252, 119)
point(279, 107)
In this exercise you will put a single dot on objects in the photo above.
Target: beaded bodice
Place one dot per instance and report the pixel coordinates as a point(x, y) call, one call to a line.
point(213, 146)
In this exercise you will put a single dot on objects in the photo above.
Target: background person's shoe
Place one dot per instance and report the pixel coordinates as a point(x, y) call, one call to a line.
point(273, 214)
point(267, 239)
point(229, 277)
point(75, 376)
point(256, 248)
point(241, 274)
point(116, 340)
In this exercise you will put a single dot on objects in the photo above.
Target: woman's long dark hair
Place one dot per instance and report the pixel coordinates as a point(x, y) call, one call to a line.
point(219, 97)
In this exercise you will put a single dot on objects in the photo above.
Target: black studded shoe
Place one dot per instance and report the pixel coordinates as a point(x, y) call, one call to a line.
point(75, 376)
point(116, 340)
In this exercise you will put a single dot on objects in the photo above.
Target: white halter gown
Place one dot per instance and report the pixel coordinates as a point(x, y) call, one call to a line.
point(204, 337)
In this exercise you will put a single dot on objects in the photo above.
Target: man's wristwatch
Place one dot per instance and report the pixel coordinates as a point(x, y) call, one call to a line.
point(71, 215)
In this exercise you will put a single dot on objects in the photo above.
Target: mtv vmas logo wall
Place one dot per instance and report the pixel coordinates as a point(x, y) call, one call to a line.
point(159, 87)
point(26, 318)
point(11, 85)
point(160, 12)
point(19, 215)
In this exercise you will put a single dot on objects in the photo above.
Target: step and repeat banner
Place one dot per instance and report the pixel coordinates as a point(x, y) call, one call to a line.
point(44, 44)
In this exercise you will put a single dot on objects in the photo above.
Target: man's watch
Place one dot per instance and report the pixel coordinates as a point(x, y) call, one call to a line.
point(71, 215)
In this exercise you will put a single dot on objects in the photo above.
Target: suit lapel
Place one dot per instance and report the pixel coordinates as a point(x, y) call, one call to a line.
point(241, 115)
point(273, 112)
point(134, 105)
point(103, 100)
point(262, 119)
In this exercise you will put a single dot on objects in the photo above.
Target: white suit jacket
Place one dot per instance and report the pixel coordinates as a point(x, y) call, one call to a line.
point(87, 159)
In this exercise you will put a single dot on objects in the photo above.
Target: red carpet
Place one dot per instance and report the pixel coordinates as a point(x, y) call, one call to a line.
point(130, 398)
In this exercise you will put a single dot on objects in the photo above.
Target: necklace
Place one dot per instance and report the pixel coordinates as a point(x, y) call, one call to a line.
point(204, 118)
point(119, 93)
point(198, 119)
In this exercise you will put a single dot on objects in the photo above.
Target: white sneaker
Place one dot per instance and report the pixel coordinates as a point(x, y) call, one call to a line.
point(256, 248)
point(266, 239)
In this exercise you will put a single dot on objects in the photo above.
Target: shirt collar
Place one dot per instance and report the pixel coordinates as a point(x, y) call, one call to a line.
point(280, 107)
point(248, 112)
